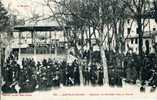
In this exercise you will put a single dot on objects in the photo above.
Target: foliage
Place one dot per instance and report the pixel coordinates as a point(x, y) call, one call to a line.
point(4, 18)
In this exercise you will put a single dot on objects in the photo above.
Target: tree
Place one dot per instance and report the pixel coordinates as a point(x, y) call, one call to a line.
point(91, 18)
point(138, 9)
point(4, 25)
point(4, 18)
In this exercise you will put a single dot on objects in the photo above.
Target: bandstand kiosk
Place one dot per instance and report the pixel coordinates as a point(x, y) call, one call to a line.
point(33, 30)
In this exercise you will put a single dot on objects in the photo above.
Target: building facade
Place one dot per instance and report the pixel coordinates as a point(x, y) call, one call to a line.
point(132, 38)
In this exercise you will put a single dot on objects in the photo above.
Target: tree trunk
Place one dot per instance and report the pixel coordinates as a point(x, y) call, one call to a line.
point(90, 46)
point(103, 57)
point(0, 56)
point(140, 33)
point(82, 39)
point(104, 64)
point(101, 46)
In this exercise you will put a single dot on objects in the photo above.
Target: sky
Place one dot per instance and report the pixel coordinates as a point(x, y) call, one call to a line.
point(25, 9)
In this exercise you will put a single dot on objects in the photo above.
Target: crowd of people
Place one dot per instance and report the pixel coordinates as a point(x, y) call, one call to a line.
point(31, 75)
point(93, 74)
point(141, 68)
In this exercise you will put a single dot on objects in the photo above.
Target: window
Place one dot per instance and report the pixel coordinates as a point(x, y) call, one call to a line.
point(132, 41)
point(137, 30)
point(136, 40)
point(153, 41)
point(11, 34)
point(128, 21)
point(154, 29)
point(129, 30)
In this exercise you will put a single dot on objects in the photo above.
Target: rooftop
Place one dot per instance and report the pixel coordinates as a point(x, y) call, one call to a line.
point(39, 28)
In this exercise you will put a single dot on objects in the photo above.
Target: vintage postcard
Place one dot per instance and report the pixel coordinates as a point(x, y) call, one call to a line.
point(78, 49)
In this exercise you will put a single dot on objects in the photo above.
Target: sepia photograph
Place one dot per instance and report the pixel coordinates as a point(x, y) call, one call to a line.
point(78, 49)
